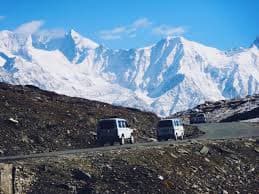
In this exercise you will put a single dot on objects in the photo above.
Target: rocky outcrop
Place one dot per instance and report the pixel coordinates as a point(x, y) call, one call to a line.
point(223, 110)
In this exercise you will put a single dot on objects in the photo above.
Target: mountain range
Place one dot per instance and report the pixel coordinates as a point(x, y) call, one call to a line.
point(171, 75)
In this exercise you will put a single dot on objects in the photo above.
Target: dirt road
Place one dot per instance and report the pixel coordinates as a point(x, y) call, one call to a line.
point(229, 130)
point(213, 131)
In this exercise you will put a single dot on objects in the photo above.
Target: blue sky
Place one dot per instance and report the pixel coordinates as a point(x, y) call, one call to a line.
point(136, 23)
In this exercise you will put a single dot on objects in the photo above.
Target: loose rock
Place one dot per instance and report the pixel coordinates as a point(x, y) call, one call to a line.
point(204, 150)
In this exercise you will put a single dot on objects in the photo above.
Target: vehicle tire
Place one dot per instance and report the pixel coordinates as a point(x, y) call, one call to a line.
point(159, 139)
point(132, 139)
point(122, 140)
point(112, 143)
point(182, 136)
point(175, 137)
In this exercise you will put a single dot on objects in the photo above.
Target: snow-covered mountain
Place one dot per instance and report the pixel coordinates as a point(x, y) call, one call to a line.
point(171, 75)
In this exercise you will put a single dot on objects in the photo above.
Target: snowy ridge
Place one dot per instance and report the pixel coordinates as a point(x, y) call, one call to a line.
point(169, 76)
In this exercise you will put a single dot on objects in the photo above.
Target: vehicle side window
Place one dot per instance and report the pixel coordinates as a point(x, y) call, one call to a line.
point(120, 124)
point(124, 124)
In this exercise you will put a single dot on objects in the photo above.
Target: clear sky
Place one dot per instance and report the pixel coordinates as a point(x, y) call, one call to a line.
point(136, 23)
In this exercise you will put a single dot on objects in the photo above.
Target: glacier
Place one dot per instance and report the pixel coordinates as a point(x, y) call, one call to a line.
point(171, 75)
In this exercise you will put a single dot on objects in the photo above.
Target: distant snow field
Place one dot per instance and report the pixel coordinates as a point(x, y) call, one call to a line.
point(172, 75)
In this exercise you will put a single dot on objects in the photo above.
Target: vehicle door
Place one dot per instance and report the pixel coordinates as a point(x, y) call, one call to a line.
point(121, 128)
point(178, 127)
point(129, 131)
point(107, 128)
point(165, 127)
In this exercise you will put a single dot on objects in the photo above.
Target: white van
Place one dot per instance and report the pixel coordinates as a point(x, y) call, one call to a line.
point(114, 130)
point(170, 128)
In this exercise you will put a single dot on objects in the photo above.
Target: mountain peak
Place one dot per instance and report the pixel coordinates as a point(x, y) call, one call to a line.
point(179, 38)
point(256, 42)
point(174, 39)
point(81, 40)
point(171, 42)
point(6, 33)
point(161, 78)
point(74, 33)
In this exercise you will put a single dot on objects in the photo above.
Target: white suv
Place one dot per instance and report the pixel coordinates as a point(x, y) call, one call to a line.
point(114, 130)
point(170, 128)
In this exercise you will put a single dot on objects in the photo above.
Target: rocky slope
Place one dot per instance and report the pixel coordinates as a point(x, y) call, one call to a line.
point(172, 75)
point(237, 109)
point(220, 166)
point(33, 120)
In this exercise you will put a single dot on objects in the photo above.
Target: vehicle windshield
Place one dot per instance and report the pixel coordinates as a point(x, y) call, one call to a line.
point(165, 123)
point(107, 124)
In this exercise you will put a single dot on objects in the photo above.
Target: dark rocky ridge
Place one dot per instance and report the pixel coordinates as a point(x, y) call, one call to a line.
point(33, 120)
point(225, 110)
